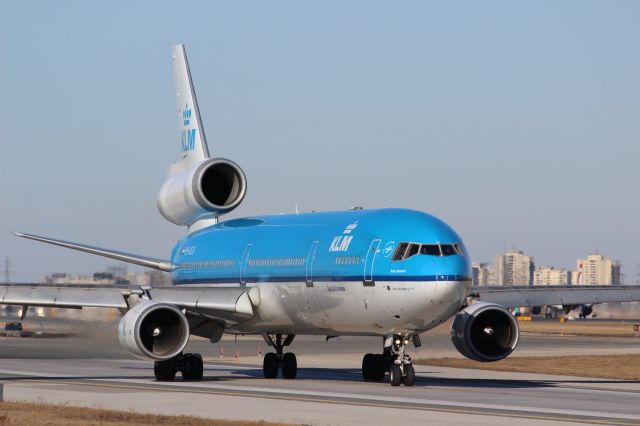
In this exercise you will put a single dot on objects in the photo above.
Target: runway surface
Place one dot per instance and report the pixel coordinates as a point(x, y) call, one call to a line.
point(326, 396)
point(328, 391)
point(91, 369)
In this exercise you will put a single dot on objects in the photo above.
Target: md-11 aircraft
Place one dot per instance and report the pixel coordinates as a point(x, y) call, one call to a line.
point(393, 273)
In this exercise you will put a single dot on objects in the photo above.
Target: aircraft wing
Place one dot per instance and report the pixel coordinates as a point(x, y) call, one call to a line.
point(514, 296)
point(231, 304)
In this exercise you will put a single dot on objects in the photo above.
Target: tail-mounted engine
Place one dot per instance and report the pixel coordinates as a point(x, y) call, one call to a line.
point(212, 188)
point(154, 330)
point(485, 332)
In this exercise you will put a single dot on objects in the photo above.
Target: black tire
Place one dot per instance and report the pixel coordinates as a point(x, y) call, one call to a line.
point(380, 368)
point(369, 367)
point(270, 365)
point(165, 371)
point(409, 375)
point(395, 375)
point(289, 366)
point(193, 367)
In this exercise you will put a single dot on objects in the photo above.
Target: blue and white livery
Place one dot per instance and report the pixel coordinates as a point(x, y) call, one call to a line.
point(393, 273)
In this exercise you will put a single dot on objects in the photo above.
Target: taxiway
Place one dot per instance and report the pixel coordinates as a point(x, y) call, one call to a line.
point(93, 371)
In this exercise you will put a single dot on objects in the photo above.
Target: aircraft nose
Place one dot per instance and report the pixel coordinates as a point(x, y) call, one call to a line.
point(455, 269)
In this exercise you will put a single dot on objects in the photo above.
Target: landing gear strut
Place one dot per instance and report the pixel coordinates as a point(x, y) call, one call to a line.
point(393, 359)
point(401, 369)
point(190, 365)
point(273, 362)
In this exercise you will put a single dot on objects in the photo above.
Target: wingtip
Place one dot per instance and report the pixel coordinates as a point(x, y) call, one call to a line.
point(16, 233)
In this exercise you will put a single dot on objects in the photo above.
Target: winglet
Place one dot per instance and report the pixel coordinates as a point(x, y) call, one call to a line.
point(148, 262)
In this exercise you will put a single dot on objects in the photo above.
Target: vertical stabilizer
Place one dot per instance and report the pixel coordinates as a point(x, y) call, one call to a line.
point(193, 143)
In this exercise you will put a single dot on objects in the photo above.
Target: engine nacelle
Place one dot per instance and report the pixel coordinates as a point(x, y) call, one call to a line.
point(154, 330)
point(213, 187)
point(485, 332)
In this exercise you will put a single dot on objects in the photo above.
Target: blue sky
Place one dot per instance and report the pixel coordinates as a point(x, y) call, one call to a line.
point(517, 123)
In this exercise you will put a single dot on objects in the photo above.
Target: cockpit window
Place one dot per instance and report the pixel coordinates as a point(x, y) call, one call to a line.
point(430, 249)
point(406, 250)
point(399, 254)
point(448, 250)
point(413, 250)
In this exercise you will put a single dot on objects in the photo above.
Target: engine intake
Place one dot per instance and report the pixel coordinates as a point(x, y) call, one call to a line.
point(154, 330)
point(213, 187)
point(485, 332)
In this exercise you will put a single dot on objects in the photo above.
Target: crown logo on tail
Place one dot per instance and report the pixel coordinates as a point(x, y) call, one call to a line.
point(186, 115)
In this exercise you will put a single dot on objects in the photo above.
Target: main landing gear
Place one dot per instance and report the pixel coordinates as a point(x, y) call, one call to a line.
point(393, 359)
point(272, 362)
point(190, 365)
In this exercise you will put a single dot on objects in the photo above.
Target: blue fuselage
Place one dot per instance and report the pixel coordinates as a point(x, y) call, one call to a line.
point(349, 246)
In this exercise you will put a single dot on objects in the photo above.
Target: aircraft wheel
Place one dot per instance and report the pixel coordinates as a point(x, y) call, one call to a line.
point(379, 368)
point(369, 367)
point(289, 366)
point(409, 375)
point(165, 371)
point(192, 367)
point(270, 365)
point(395, 375)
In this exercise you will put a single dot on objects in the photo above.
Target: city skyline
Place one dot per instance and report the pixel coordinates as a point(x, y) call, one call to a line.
point(514, 267)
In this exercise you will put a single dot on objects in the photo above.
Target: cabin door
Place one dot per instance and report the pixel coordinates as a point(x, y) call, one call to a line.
point(243, 265)
point(374, 249)
point(311, 257)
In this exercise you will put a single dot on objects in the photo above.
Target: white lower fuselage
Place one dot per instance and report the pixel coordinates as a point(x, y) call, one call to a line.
point(350, 308)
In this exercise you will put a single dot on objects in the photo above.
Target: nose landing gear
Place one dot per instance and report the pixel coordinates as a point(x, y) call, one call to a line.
point(402, 368)
point(393, 359)
point(273, 362)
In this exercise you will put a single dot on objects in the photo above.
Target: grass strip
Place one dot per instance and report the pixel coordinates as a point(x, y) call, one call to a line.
point(623, 367)
point(28, 414)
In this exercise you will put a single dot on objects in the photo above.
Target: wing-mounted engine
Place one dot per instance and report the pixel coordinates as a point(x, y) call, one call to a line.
point(155, 330)
point(485, 332)
point(211, 188)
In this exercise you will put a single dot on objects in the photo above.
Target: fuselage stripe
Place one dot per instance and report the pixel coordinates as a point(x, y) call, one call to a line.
point(354, 278)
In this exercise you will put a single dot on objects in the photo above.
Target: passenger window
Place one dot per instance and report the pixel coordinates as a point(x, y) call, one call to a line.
point(399, 254)
point(430, 249)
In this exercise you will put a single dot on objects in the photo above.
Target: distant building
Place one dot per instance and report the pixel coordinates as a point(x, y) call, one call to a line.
point(514, 268)
point(548, 275)
point(113, 276)
point(482, 274)
point(597, 269)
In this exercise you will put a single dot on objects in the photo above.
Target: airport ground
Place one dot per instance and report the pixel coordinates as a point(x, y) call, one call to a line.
point(85, 366)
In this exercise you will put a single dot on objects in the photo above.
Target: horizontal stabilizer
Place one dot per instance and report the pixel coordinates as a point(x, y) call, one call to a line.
point(147, 262)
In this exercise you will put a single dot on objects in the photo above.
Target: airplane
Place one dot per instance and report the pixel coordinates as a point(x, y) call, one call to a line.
point(392, 273)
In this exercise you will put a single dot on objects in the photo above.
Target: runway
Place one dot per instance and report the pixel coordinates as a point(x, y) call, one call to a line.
point(325, 396)
point(92, 370)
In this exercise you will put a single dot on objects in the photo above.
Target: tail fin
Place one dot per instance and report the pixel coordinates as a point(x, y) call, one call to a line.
point(193, 142)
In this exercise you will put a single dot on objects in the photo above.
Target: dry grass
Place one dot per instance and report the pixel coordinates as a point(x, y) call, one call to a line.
point(27, 414)
point(624, 367)
point(579, 328)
